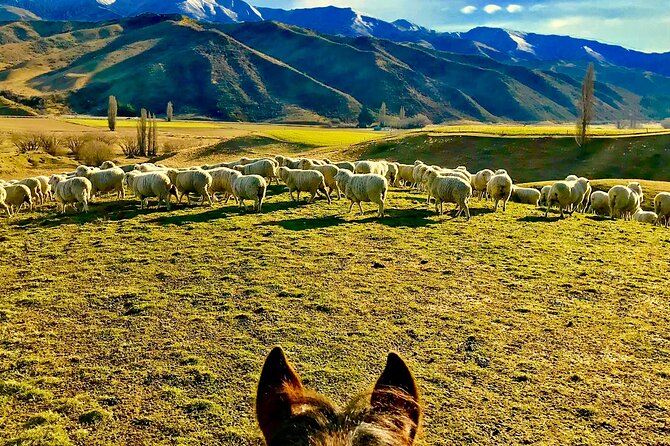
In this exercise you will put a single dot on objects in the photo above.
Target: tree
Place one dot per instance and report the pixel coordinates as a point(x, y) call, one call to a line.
point(383, 112)
point(112, 111)
point(153, 136)
point(585, 106)
point(142, 133)
point(169, 113)
point(365, 118)
point(403, 114)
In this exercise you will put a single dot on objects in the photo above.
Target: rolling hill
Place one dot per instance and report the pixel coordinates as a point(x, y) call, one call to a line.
point(266, 70)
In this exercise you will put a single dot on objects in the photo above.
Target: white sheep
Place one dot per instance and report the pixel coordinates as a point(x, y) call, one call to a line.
point(46, 188)
point(567, 195)
point(329, 171)
point(544, 196)
point(625, 200)
point(265, 168)
point(17, 195)
point(600, 203)
point(479, 182)
point(645, 217)
point(107, 165)
point(191, 181)
point(71, 191)
point(304, 181)
point(250, 187)
point(417, 174)
point(375, 167)
point(499, 188)
point(345, 165)
point(525, 195)
point(662, 208)
point(153, 184)
point(105, 181)
point(35, 187)
point(449, 189)
point(3, 198)
point(406, 174)
point(391, 173)
point(222, 182)
point(84, 171)
point(363, 188)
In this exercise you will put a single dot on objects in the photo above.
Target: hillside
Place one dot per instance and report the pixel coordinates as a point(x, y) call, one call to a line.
point(264, 70)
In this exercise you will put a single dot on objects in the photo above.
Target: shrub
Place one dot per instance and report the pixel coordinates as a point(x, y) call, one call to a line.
point(96, 152)
point(175, 145)
point(666, 123)
point(51, 144)
point(129, 147)
point(76, 142)
point(26, 142)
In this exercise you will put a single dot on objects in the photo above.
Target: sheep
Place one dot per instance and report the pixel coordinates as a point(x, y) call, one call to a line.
point(71, 191)
point(17, 195)
point(375, 167)
point(46, 188)
point(84, 171)
point(368, 188)
point(153, 184)
point(3, 198)
point(525, 195)
point(567, 195)
point(244, 161)
point(222, 182)
point(625, 200)
point(406, 174)
point(105, 181)
point(230, 165)
point(265, 168)
point(499, 188)
point(191, 181)
point(480, 180)
point(304, 181)
point(107, 165)
point(417, 174)
point(250, 187)
point(282, 160)
point(345, 165)
point(600, 203)
point(35, 187)
point(329, 171)
point(645, 217)
point(148, 167)
point(662, 208)
point(391, 172)
point(442, 172)
point(544, 195)
point(449, 189)
point(583, 206)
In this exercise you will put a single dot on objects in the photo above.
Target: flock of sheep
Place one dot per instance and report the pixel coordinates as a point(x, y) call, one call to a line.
point(359, 182)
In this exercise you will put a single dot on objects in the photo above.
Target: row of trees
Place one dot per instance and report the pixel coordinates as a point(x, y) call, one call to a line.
point(367, 117)
point(113, 111)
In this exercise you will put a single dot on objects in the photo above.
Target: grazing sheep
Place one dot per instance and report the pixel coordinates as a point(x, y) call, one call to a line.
point(105, 181)
point(282, 160)
point(480, 181)
point(406, 174)
point(499, 188)
point(567, 195)
point(449, 189)
point(35, 187)
point(17, 195)
point(153, 184)
point(662, 208)
point(84, 171)
point(329, 171)
point(525, 195)
point(304, 181)
point(584, 205)
point(571, 178)
point(107, 165)
point(250, 187)
point(222, 182)
point(600, 203)
point(391, 173)
point(645, 217)
point(191, 181)
point(625, 200)
point(544, 196)
point(46, 188)
point(345, 165)
point(3, 198)
point(442, 172)
point(149, 167)
point(417, 174)
point(375, 167)
point(71, 191)
point(264, 168)
point(244, 161)
point(359, 188)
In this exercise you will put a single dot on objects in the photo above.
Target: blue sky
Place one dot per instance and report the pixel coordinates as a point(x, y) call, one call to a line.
point(637, 24)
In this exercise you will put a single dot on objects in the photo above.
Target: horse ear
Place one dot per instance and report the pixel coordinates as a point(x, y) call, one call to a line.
point(397, 392)
point(277, 384)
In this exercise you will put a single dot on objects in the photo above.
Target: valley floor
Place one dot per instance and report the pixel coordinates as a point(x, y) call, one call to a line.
point(146, 327)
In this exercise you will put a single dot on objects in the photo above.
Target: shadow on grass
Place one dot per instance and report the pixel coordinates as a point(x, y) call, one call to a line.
point(599, 218)
point(540, 219)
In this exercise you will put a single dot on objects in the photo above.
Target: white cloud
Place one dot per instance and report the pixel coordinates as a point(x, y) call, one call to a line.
point(565, 22)
point(513, 9)
point(468, 9)
point(492, 9)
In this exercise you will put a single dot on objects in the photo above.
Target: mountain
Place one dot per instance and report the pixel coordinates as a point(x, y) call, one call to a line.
point(270, 71)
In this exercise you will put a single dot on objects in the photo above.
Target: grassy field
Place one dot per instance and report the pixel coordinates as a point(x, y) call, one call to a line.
point(542, 130)
point(145, 327)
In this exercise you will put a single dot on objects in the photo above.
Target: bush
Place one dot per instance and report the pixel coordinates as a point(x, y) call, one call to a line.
point(666, 123)
point(76, 142)
point(26, 142)
point(175, 145)
point(129, 147)
point(96, 152)
point(52, 145)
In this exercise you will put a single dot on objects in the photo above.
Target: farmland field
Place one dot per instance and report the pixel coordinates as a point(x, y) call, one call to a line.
point(128, 326)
